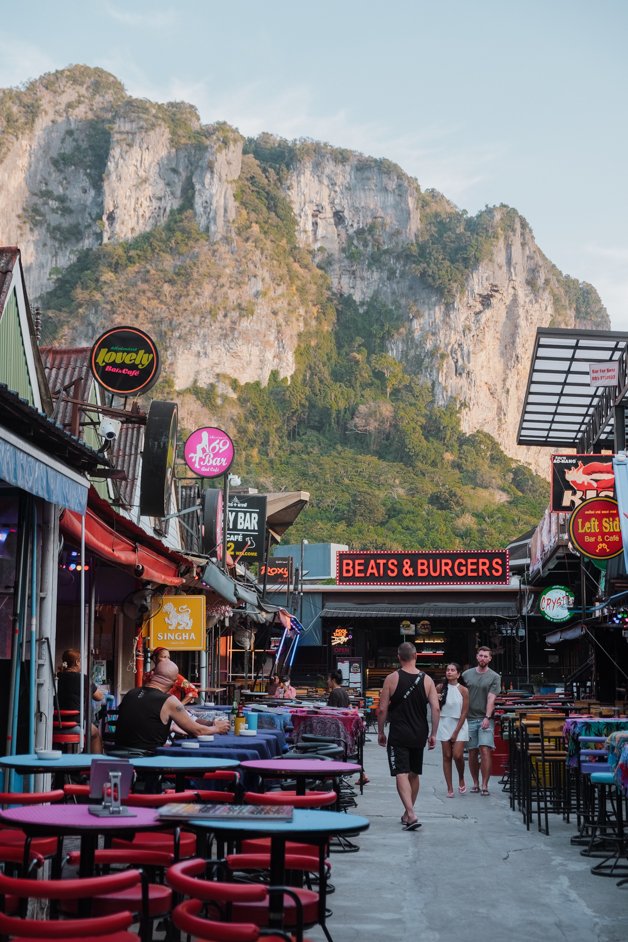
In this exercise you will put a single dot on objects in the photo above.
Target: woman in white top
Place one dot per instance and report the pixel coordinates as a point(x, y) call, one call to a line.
point(453, 730)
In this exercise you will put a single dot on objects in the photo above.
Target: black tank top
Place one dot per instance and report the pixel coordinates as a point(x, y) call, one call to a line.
point(407, 712)
point(139, 723)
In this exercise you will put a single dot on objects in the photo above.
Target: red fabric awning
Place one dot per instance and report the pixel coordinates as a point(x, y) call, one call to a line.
point(123, 543)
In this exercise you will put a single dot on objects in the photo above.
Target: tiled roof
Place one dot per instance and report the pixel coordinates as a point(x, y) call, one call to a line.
point(69, 377)
point(126, 455)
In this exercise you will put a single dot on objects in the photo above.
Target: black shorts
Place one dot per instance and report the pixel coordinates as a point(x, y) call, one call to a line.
point(402, 759)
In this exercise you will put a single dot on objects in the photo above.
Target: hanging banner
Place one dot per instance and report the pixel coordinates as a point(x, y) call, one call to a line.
point(179, 625)
point(620, 467)
point(576, 478)
point(209, 452)
point(594, 529)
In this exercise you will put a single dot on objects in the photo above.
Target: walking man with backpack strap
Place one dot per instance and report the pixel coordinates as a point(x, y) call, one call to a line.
point(403, 702)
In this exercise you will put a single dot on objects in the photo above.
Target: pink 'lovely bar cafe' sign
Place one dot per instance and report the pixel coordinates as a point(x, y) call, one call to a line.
point(209, 452)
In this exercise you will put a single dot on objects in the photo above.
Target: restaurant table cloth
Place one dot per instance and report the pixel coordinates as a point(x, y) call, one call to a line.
point(576, 726)
point(346, 727)
point(266, 747)
point(274, 719)
point(621, 769)
point(615, 743)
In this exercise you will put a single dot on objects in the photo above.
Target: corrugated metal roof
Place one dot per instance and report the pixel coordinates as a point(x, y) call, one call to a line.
point(9, 257)
point(126, 454)
point(30, 424)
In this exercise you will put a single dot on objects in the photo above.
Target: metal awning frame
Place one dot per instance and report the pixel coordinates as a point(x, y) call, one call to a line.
point(427, 610)
point(561, 409)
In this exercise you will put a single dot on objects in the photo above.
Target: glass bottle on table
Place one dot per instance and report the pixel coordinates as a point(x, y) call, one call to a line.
point(234, 713)
point(240, 719)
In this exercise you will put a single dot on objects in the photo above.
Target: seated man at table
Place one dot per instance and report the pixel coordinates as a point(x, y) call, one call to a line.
point(338, 695)
point(146, 714)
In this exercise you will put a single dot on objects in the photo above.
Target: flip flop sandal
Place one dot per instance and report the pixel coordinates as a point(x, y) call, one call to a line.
point(450, 794)
point(462, 789)
point(485, 793)
point(476, 789)
point(413, 826)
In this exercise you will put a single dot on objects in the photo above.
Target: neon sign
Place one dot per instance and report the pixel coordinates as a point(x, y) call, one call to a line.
point(340, 636)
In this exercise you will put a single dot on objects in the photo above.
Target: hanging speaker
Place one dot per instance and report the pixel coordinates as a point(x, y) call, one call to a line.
point(160, 444)
point(211, 536)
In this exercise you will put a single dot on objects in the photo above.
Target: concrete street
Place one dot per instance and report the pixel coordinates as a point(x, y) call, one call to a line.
point(471, 873)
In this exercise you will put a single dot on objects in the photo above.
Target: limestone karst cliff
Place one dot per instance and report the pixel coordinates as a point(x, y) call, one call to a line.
point(231, 251)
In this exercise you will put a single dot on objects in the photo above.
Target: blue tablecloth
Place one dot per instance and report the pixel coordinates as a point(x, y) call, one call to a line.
point(271, 720)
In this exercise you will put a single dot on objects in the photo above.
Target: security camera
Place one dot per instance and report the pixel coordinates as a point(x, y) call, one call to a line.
point(109, 429)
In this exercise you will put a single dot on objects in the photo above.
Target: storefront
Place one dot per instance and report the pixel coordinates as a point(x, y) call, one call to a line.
point(382, 599)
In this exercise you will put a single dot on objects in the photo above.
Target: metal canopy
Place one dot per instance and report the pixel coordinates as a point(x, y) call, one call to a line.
point(427, 610)
point(561, 409)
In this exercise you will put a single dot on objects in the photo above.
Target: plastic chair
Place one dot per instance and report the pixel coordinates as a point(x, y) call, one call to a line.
point(314, 799)
point(186, 917)
point(66, 733)
point(244, 902)
point(182, 844)
point(16, 838)
point(84, 892)
point(95, 929)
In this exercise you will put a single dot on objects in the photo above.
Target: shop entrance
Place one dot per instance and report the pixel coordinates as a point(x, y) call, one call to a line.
point(437, 643)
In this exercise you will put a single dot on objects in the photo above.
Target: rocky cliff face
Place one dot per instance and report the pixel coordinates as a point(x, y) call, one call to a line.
point(85, 167)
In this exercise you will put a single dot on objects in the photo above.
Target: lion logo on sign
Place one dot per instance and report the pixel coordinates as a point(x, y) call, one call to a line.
point(178, 618)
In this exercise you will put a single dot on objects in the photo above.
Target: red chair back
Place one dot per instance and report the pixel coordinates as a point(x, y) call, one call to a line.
point(80, 888)
point(182, 878)
point(157, 800)
point(309, 800)
point(93, 929)
point(185, 917)
point(31, 798)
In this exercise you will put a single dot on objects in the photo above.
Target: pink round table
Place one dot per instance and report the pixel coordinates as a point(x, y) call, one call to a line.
point(301, 769)
point(75, 820)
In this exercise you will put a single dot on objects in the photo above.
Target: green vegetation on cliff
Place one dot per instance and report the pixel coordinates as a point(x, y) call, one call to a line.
point(385, 465)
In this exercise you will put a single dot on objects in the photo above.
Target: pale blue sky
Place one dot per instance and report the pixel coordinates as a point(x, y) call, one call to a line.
point(516, 102)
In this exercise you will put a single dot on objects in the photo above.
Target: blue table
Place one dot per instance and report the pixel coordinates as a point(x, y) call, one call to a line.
point(180, 763)
point(264, 747)
point(311, 827)
point(184, 763)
